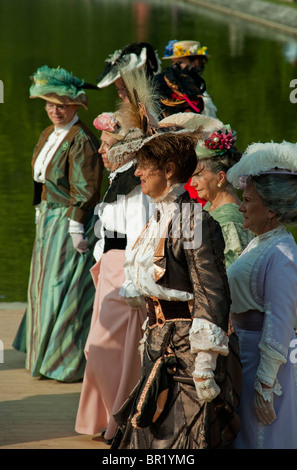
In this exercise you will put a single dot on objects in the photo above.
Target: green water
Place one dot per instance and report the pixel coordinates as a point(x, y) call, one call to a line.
point(248, 77)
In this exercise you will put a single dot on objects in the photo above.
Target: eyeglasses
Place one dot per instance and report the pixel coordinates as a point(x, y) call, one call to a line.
point(51, 107)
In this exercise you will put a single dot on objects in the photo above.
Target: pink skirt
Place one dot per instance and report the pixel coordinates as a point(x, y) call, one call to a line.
point(113, 361)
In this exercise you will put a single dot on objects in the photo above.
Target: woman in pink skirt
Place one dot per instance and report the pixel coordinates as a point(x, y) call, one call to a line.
point(113, 362)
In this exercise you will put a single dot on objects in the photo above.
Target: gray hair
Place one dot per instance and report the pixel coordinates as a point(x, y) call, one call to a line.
point(279, 194)
point(217, 163)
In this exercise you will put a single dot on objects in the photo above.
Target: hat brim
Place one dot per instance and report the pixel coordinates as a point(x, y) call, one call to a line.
point(134, 140)
point(131, 61)
point(206, 56)
point(80, 100)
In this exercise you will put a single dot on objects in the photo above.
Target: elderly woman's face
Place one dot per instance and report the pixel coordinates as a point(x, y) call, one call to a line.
point(153, 181)
point(257, 217)
point(205, 182)
point(60, 114)
point(107, 141)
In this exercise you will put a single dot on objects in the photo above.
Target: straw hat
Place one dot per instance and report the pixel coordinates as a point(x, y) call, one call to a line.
point(187, 48)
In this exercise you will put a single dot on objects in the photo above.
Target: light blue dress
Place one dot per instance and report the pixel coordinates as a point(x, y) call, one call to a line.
point(264, 278)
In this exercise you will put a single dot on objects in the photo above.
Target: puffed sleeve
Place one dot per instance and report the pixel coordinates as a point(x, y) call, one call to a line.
point(85, 173)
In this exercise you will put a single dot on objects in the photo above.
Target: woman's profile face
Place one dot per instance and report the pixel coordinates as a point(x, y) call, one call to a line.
point(107, 141)
point(256, 215)
point(205, 182)
point(153, 180)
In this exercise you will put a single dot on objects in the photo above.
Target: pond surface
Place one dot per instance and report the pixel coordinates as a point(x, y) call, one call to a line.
point(248, 77)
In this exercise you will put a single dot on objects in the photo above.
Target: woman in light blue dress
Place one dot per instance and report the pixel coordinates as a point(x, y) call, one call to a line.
point(263, 285)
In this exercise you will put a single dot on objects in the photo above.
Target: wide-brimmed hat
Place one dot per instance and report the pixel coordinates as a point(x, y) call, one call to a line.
point(264, 158)
point(136, 55)
point(59, 86)
point(177, 49)
point(180, 89)
point(192, 121)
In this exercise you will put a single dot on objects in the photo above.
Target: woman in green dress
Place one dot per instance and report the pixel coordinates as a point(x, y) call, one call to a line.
point(217, 153)
point(67, 172)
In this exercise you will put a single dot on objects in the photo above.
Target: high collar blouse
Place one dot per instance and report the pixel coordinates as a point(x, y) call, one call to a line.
point(127, 215)
point(48, 150)
point(139, 265)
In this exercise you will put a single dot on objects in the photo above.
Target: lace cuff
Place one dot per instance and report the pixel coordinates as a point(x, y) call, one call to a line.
point(205, 336)
point(270, 361)
point(266, 393)
point(205, 364)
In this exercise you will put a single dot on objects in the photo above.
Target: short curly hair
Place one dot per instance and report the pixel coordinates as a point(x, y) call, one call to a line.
point(171, 147)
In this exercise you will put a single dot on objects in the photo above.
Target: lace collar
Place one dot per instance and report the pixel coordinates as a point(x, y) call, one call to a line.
point(171, 195)
point(267, 236)
point(125, 167)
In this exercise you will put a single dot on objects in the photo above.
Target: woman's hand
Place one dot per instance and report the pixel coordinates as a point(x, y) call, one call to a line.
point(79, 242)
point(135, 302)
point(263, 404)
point(207, 389)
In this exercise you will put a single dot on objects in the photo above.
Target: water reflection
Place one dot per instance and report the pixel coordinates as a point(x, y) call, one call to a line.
point(248, 76)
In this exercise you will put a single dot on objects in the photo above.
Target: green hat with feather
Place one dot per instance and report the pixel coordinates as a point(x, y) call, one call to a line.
point(59, 86)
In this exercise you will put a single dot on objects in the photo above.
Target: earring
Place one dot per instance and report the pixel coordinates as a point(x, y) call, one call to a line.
point(168, 184)
point(219, 185)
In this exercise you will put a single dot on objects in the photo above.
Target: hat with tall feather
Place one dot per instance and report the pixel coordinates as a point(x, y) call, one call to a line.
point(138, 117)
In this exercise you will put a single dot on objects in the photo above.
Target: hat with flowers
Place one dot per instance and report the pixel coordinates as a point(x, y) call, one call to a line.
point(218, 143)
point(177, 49)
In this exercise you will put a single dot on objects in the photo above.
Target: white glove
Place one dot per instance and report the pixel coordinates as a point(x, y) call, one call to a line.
point(206, 389)
point(37, 214)
point(205, 364)
point(79, 242)
point(263, 404)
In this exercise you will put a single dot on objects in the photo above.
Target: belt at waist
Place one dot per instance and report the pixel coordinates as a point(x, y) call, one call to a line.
point(114, 241)
point(252, 320)
point(159, 310)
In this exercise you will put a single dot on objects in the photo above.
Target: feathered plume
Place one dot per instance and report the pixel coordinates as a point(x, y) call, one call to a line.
point(142, 109)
